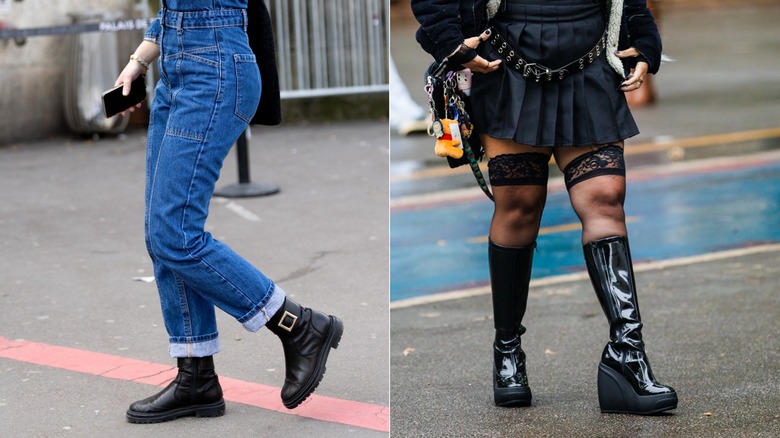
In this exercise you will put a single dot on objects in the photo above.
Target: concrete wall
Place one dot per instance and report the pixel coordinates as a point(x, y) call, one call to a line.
point(32, 75)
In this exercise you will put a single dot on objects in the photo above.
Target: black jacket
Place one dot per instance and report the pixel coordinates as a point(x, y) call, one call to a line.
point(444, 24)
point(261, 40)
point(639, 30)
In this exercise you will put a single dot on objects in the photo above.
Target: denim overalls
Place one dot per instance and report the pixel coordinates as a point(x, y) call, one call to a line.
point(208, 91)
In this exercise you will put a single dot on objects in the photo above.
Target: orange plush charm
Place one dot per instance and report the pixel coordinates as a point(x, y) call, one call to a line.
point(448, 139)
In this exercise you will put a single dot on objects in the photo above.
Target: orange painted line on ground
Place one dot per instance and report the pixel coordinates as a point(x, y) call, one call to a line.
point(347, 412)
point(704, 140)
point(631, 149)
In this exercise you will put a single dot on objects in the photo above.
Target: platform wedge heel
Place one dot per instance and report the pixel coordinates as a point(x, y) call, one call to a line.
point(616, 395)
point(625, 380)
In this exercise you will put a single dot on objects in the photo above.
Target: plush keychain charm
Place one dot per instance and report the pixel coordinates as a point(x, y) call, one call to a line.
point(449, 144)
point(463, 78)
point(450, 130)
point(437, 128)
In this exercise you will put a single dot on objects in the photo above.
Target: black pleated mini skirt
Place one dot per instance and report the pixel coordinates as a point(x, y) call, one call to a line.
point(584, 108)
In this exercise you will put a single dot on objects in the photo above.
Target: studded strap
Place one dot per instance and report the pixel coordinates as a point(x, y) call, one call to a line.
point(538, 71)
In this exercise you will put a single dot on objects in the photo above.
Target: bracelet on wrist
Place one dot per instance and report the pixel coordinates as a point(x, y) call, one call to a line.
point(143, 63)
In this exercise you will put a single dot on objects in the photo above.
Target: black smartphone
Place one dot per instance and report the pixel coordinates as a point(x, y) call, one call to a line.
point(114, 102)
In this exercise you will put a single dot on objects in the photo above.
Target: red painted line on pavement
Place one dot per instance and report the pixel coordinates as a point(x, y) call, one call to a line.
point(317, 407)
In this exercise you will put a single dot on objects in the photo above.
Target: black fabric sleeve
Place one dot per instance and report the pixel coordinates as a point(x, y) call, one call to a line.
point(642, 34)
point(440, 27)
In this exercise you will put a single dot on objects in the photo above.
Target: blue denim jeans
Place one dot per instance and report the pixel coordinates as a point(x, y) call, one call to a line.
point(208, 91)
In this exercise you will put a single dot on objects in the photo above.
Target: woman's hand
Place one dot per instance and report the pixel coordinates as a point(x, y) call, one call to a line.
point(148, 52)
point(132, 70)
point(480, 64)
point(637, 76)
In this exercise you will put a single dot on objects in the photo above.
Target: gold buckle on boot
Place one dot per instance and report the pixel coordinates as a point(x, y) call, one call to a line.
point(289, 328)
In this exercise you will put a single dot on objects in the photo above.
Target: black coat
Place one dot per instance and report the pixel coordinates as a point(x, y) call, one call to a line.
point(639, 30)
point(261, 40)
point(444, 24)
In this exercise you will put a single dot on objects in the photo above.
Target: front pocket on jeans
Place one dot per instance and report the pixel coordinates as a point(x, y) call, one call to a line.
point(247, 86)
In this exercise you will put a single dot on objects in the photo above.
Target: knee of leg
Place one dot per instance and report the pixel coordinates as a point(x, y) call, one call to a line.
point(165, 243)
point(600, 201)
point(606, 160)
point(148, 242)
point(608, 196)
point(523, 207)
point(519, 183)
point(606, 205)
point(170, 252)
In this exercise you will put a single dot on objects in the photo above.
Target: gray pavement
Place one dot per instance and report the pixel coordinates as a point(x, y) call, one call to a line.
point(711, 327)
point(72, 240)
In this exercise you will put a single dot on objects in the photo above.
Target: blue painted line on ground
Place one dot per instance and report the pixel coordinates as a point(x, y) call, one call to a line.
point(677, 216)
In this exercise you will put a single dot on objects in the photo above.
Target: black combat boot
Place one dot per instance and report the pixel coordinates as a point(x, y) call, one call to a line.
point(510, 274)
point(194, 391)
point(625, 380)
point(307, 337)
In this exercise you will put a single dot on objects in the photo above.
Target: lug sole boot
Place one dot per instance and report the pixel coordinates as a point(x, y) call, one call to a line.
point(307, 336)
point(625, 380)
point(510, 274)
point(194, 392)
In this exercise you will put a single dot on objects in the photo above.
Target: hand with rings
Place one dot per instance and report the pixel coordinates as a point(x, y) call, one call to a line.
point(480, 64)
point(637, 77)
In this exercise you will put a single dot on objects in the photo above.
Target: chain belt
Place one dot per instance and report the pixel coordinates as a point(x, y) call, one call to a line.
point(532, 69)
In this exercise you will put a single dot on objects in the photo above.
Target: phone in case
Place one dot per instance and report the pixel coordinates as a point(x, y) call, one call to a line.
point(114, 102)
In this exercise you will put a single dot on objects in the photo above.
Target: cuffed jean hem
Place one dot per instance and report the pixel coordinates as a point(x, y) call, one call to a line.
point(265, 313)
point(194, 349)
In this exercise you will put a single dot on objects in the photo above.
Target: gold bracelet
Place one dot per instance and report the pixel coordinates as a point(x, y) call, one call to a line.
point(143, 63)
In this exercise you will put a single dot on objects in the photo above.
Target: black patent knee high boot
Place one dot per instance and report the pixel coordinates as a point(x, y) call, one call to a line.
point(194, 391)
point(307, 336)
point(625, 380)
point(510, 273)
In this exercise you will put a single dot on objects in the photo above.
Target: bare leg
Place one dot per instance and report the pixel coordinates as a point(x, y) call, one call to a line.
point(597, 200)
point(518, 208)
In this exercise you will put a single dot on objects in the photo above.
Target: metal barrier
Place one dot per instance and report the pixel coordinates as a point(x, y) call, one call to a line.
point(324, 47)
point(331, 47)
point(88, 75)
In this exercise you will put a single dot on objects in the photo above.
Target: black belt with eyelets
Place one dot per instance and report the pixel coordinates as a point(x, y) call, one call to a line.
point(538, 71)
